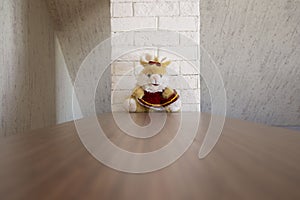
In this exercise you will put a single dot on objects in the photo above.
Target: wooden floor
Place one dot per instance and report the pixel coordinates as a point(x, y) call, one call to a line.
point(250, 161)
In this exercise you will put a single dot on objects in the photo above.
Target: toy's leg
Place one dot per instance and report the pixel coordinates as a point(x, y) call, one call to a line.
point(174, 107)
point(130, 105)
point(140, 108)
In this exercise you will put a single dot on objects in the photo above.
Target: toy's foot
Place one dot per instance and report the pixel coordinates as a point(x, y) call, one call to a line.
point(130, 105)
point(174, 107)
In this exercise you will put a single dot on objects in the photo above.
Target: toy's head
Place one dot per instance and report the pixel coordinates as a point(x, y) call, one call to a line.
point(153, 78)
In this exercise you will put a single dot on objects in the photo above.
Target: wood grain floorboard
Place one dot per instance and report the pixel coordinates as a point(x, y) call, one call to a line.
point(250, 161)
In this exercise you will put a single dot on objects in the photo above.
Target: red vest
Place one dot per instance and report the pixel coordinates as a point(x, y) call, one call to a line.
point(156, 100)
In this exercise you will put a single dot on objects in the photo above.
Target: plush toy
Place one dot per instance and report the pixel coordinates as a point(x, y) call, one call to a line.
point(152, 92)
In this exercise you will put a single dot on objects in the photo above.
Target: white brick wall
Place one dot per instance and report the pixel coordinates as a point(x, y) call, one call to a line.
point(189, 8)
point(131, 23)
point(156, 9)
point(181, 16)
point(152, 38)
point(178, 23)
point(122, 9)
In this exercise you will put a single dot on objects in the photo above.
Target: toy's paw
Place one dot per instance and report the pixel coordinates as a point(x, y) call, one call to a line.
point(167, 93)
point(174, 107)
point(130, 105)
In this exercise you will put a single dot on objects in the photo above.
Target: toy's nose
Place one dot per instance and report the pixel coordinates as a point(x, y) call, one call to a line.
point(155, 77)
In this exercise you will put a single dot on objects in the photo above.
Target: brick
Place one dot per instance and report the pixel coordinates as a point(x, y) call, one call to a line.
point(122, 39)
point(173, 68)
point(132, 23)
point(156, 9)
point(160, 0)
point(187, 68)
point(190, 96)
point(122, 53)
point(121, 1)
point(153, 0)
point(138, 68)
point(119, 96)
point(179, 52)
point(189, 38)
point(154, 38)
point(178, 23)
point(130, 53)
point(123, 82)
point(111, 9)
point(190, 107)
point(131, 0)
point(167, 52)
point(189, 8)
point(122, 9)
point(175, 82)
point(184, 82)
point(123, 68)
point(192, 81)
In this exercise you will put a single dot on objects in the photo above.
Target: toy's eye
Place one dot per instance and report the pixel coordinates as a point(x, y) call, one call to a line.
point(149, 75)
point(160, 75)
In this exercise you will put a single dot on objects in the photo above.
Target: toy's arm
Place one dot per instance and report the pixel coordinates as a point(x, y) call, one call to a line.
point(167, 92)
point(138, 92)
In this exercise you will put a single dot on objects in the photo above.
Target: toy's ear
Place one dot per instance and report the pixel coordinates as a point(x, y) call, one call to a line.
point(145, 59)
point(143, 63)
point(166, 63)
point(148, 57)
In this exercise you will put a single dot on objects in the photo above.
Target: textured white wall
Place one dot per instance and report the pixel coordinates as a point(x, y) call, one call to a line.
point(176, 15)
point(27, 73)
point(64, 89)
point(35, 85)
point(80, 26)
point(255, 44)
